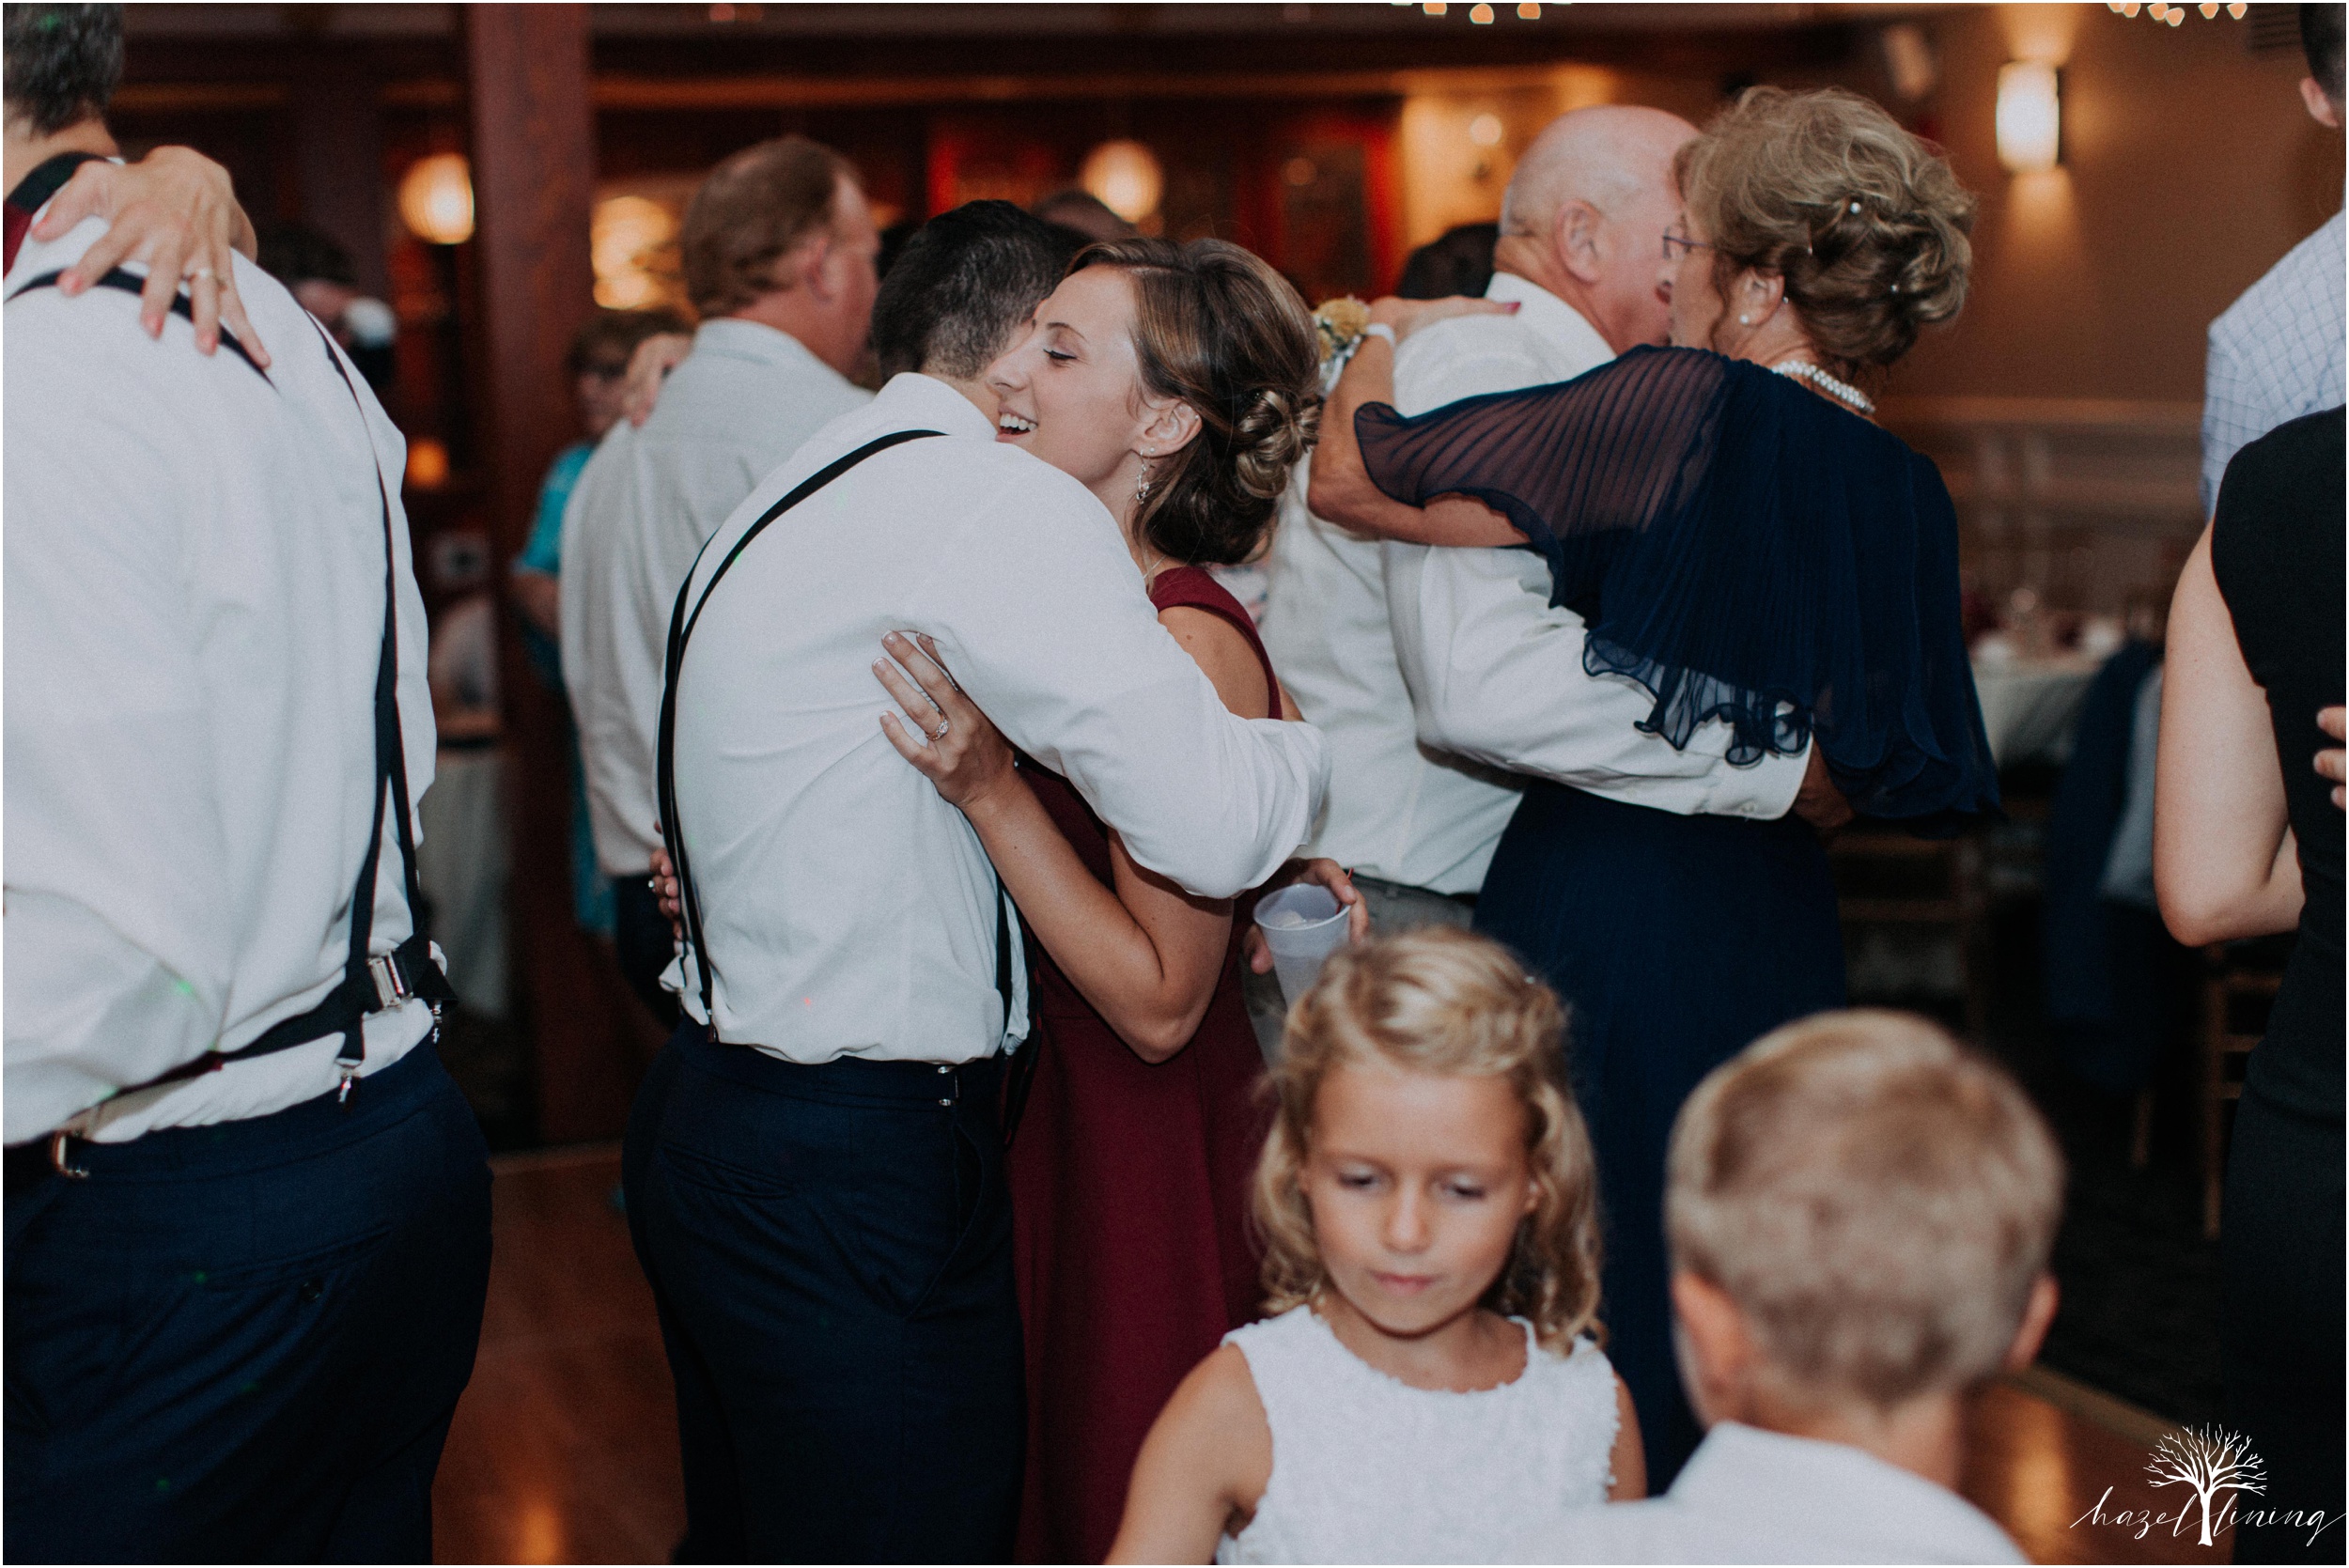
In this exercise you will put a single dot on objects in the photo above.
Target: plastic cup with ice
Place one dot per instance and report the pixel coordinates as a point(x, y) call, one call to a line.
point(1303, 924)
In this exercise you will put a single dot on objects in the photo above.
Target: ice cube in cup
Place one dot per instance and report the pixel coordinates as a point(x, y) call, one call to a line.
point(1303, 924)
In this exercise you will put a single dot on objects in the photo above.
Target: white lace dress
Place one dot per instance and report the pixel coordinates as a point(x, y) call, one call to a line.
point(1366, 1469)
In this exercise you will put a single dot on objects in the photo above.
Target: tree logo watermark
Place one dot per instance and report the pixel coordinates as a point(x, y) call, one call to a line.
point(2216, 1467)
point(2212, 1462)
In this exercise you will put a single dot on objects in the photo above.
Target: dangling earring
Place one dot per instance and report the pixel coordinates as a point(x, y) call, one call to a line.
point(1141, 492)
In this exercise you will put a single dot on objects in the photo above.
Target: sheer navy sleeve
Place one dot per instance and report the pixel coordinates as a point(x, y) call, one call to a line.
point(1744, 551)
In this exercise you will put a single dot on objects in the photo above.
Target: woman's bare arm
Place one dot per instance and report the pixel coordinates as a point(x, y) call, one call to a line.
point(1147, 954)
point(1202, 1469)
point(2225, 864)
point(1340, 486)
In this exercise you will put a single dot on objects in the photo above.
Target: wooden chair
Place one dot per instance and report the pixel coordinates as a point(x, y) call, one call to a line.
point(1885, 877)
point(2238, 985)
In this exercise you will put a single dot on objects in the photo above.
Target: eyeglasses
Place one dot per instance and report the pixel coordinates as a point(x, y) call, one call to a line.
point(1676, 236)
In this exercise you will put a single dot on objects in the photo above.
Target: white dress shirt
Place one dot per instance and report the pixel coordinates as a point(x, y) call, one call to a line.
point(2276, 353)
point(743, 401)
point(1750, 1496)
point(1407, 802)
point(1494, 671)
point(194, 614)
point(849, 910)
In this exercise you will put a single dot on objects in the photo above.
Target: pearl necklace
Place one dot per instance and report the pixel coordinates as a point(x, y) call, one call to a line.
point(1805, 370)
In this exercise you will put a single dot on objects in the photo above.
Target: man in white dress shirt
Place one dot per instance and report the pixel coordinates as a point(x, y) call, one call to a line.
point(248, 1212)
point(778, 247)
point(1438, 673)
point(815, 1168)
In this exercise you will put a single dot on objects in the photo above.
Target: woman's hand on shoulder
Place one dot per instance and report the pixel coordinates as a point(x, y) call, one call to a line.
point(960, 751)
point(1222, 650)
point(1202, 1469)
point(175, 211)
point(647, 369)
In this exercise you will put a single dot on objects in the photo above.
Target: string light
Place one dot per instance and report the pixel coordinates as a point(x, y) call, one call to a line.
point(1484, 12)
point(2173, 16)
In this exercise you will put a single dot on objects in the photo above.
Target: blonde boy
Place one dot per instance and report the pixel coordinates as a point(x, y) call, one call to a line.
point(1859, 1212)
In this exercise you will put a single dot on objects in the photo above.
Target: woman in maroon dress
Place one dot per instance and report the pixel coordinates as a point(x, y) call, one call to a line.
point(1179, 383)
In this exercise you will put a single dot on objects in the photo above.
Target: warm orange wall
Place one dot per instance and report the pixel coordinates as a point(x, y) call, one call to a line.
point(2189, 168)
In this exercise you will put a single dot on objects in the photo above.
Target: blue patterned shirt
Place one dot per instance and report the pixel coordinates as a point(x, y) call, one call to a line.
point(2276, 354)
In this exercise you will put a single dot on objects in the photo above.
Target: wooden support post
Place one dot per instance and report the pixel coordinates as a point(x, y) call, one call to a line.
point(533, 161)
point(338, 158)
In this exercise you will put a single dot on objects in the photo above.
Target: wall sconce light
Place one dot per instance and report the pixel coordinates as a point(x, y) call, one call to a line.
point(436, 200)
point(1125, 178)
point(2030, 117)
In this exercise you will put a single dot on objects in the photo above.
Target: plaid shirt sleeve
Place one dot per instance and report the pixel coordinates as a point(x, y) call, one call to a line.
point(2276, 353)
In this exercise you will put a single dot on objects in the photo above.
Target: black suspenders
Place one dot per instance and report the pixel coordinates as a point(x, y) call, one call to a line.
point(681, 626)
point(369, 984)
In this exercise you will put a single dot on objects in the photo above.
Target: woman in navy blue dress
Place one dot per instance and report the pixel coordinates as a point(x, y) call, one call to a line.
point(1745, 544)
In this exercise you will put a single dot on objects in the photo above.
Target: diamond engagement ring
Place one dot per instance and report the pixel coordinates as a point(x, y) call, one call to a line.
point(944, 724)
point(201, 272)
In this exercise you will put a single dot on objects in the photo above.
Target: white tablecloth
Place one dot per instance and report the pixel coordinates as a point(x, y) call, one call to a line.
point(2029, 706)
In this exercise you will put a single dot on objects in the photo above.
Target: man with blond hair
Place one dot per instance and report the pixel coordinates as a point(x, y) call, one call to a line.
point(779, 249)
point(1860, 1212)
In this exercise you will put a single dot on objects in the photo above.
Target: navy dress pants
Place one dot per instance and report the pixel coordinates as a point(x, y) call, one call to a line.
point(829, 1249)
point(1675, 941)
point(242, 1342)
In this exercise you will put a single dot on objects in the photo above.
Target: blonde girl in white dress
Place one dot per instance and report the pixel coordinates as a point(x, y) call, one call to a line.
point(1431, 1229)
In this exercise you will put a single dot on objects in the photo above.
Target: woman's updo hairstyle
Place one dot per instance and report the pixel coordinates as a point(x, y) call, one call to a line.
point(1219, 329)
point(1866, 222)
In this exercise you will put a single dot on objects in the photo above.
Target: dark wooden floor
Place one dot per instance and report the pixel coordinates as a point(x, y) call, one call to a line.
point(565, 1446)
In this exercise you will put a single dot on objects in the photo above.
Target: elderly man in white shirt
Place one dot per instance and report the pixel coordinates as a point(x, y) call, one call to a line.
point(1438, 675)
point(1494, 672)
point(814, 1167)
point(247, 1211)
point(779, 246)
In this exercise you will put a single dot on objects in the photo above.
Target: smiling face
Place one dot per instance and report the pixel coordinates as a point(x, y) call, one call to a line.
point(1070, 390)
point(1417, 1183)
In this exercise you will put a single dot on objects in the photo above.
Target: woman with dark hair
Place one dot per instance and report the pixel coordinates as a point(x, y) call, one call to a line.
point(1180, 384)
point(1743, 543)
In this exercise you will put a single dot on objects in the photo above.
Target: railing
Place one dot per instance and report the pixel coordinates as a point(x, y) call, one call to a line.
point(2091, 503)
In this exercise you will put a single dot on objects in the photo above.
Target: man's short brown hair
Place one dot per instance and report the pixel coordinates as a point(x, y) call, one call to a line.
point(1877, 1200)
point(756, 207)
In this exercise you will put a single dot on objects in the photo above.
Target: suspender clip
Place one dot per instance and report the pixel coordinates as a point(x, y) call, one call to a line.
point(351, 1079)
point(391, 981)
point(60, 1159)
